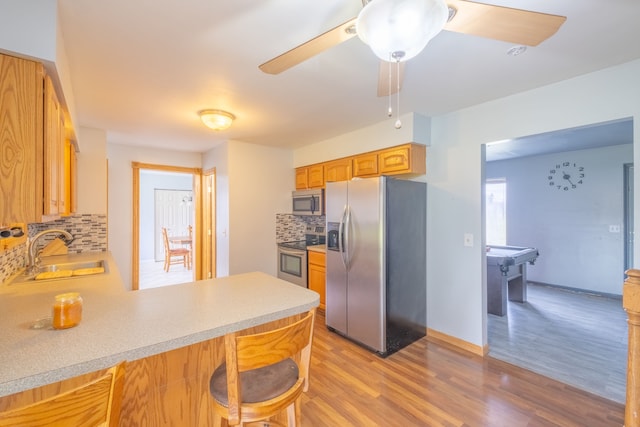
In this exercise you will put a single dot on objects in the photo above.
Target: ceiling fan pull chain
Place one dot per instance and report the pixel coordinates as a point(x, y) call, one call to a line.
point(398, 122)
point(390, 110)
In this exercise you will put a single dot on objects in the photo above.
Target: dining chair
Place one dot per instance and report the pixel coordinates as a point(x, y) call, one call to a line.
point(96, 403)
point(263, 374)
point(172, 255)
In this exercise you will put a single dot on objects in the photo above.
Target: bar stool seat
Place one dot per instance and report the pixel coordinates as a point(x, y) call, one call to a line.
point(259, 385)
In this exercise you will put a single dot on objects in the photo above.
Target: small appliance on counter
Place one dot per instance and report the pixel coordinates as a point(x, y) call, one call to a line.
point(292, 256)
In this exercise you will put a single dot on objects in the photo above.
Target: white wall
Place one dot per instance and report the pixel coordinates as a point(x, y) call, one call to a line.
point(121, 194)
point(456, 288)
point(253, 183)
point(29, 28)
point(569, 228)
point(92, 172)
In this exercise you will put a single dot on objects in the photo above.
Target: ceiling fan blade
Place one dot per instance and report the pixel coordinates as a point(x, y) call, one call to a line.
point(503, 23)
point(387, 77)
point(310, 48)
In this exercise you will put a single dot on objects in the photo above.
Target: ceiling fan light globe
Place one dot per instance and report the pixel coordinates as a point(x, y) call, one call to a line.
point(406, 26)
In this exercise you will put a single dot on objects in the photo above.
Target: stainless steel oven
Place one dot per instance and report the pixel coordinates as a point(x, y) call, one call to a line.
point(292, 263)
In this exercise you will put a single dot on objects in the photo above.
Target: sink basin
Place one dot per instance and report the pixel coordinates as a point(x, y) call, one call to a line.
point(67, 270)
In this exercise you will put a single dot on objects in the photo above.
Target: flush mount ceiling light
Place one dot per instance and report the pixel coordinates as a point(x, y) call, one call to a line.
point(216, 119)
point(398, 30)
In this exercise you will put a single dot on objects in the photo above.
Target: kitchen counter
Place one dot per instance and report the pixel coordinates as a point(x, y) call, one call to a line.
point(317, 248)
point(129, 325)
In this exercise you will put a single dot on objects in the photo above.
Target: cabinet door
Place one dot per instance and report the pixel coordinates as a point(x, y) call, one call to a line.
point(315, 177)
point(70, 177)
point(301, 178)
point(338, 170)
point(365, 165)
point(409, 159)
point(21, 128)
point(52, 150)
point(317, 275)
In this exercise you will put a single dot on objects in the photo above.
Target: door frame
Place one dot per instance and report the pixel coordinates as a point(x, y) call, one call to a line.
point(135, 234)
point(208, 229)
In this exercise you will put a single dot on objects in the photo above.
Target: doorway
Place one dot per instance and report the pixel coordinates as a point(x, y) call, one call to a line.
point(556, 331)
point(180, 204)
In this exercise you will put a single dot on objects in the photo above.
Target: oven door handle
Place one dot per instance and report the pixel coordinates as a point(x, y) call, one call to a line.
point(294, 252)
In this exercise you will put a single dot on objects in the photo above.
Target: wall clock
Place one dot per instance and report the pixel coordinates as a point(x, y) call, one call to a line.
point(566, 176)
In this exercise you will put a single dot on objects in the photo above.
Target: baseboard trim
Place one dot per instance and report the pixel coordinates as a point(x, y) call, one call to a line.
point(579, 290)
point(440, 338)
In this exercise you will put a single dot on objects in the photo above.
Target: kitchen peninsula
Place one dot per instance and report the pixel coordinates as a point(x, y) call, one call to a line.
point(171, 338)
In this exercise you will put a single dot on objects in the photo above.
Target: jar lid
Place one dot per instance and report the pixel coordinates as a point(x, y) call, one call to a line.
point(67, 296)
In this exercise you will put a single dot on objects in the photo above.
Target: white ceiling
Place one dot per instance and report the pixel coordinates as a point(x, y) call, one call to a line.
point(142, 69)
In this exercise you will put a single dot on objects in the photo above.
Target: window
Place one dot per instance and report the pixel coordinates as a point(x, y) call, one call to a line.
point(496, 211)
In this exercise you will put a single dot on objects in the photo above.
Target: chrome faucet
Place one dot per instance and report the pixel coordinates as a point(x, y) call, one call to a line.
point(33, 257)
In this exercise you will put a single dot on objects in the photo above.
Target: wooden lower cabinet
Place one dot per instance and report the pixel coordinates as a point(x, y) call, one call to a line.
point(167, 389)
point(317, 275)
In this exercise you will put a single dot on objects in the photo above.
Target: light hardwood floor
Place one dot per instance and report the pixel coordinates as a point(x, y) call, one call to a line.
point(152, 275)
point(428, 384)
point(577, 338)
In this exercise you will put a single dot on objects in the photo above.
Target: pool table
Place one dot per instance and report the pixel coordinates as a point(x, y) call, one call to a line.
point(507, 276)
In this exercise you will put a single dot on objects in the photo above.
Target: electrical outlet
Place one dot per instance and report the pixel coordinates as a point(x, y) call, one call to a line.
point(614, 229)
point(468, 239)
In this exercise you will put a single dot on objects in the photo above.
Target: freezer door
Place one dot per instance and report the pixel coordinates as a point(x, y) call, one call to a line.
point(366, 314)
point(336, 274)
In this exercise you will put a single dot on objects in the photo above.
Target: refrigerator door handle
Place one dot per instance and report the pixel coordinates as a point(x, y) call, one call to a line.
point(347, 226)
point(341, 237)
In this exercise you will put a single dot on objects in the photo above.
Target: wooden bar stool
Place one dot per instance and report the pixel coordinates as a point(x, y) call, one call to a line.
point(96, 403)
point(263, 375)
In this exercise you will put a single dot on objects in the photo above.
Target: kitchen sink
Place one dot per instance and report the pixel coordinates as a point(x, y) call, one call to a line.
point(67, 270)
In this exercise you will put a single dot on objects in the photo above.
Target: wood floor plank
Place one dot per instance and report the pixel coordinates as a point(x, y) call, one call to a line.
point(428, 384)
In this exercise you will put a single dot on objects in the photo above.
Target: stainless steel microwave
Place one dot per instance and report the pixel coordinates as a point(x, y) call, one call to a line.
point(308, 202)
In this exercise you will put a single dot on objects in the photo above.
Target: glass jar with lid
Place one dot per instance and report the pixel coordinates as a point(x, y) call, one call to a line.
point(67, 310)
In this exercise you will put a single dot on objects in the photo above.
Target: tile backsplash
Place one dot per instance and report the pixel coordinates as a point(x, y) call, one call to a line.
point(290, 228)
point(89, 232)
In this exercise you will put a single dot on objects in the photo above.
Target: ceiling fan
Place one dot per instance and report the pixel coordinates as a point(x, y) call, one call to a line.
point(522, 27)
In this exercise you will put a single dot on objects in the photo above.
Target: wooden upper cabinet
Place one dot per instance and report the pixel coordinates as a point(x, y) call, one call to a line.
point(365, 165)
point(53, 151)
point(70, 178)
point(310, 177)
point(404, 159)
point(407, 159)
point(315, 179)
point(301, 178)
point(21, 122)
point(338, 170)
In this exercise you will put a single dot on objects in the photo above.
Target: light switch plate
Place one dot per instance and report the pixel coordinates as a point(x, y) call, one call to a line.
point(468, 239)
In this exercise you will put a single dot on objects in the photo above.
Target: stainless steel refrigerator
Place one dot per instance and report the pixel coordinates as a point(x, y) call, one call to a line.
point(376, 250)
